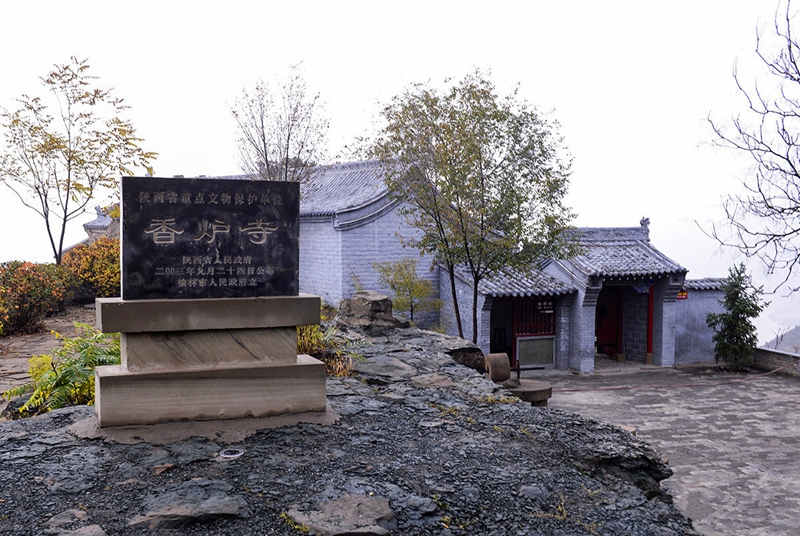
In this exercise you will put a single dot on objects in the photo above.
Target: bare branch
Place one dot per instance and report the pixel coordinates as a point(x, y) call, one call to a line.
point(282, 138)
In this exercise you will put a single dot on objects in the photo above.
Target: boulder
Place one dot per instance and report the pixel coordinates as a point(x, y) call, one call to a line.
point(350, 514)
point(369, 310)
point(470, 356)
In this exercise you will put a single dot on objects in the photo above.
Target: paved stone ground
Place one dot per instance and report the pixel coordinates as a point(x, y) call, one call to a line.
point(15, 350)
point(732, 440)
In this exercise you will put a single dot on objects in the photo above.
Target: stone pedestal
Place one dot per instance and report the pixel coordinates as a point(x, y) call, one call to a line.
point(207, 359)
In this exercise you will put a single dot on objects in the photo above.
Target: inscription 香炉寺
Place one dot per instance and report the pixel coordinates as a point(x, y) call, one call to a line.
point(192, 238)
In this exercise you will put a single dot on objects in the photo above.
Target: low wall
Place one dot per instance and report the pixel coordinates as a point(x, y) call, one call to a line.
point(766, 359)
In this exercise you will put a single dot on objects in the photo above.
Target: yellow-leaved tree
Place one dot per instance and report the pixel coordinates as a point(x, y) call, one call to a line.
point(62, 150)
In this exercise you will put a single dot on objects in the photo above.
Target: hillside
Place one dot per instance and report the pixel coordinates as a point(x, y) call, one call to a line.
point(789, 342)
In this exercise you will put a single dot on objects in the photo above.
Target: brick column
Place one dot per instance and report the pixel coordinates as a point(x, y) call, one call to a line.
point(664, 315)
point(563, 314)
point(582, 327)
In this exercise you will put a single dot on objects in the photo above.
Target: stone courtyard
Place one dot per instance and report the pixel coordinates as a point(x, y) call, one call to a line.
point(732, 440)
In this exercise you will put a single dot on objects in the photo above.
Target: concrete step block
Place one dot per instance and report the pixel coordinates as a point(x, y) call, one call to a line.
point(147, 397)
point(114, 314)
point(168, 350)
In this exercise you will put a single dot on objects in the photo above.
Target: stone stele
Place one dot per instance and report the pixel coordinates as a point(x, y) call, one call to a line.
point(199, 359)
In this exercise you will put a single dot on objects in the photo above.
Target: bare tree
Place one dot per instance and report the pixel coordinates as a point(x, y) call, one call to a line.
point(764, 221)
point(283, 134)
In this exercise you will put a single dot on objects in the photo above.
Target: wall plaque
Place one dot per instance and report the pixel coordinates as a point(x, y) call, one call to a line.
point(209, 238)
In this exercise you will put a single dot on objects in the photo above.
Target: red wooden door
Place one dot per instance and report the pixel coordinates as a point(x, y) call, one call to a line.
point(609, 322)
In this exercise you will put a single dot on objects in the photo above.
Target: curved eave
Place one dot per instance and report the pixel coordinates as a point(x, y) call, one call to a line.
point(531, 294)
point(637, 274)
point(341, 211)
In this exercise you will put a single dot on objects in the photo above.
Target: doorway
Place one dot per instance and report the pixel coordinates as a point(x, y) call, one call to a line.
point(608, 322)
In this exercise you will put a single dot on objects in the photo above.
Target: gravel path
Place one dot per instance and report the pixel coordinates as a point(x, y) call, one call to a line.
point(422, 446)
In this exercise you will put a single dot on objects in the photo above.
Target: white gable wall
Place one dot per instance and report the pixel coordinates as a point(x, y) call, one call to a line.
point(335, 256)
point(320, 259)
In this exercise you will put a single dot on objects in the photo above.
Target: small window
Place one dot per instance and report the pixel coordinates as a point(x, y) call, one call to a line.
point(534, 317)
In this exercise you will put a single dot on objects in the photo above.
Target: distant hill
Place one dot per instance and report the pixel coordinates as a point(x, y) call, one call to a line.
point(790, 342)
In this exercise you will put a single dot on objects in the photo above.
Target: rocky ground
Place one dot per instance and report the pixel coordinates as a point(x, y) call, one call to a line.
point(421, 445)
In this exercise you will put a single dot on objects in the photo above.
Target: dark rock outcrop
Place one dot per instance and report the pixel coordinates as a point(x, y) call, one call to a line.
point(422, 446)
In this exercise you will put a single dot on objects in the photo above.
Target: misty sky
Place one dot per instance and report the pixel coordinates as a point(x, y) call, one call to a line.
point(631, 83)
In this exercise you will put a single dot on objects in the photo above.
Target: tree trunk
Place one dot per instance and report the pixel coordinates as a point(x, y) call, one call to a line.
point(451, 270)
point(475, 313)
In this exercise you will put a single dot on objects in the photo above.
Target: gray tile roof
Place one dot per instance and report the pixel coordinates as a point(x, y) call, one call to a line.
point(511, 282)
point(338, 187)
point(342, 187)
point(102, 221)
point(621, 252)
point(706, 283)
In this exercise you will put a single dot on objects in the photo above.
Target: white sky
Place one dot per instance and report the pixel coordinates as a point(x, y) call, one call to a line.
point(631, 83)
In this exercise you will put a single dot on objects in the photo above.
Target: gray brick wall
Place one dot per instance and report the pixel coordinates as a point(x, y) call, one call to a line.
point(769, 360)
point(332, 260)
point(634, 325)
point(664, 316)
point(464, 294)
point(582, 331)
point(320, 259)
point(484, 322)
point(447, 312)
point(465, 305)
point(693, 342)
point(381, 240)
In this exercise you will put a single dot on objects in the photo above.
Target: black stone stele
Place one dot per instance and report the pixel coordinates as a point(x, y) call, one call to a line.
point(209, 238)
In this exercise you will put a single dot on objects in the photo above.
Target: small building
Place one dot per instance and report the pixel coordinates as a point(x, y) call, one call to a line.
point(524, 314)
point(625, 299)
point(103, 226)
point(348, 221)
point(621, 297)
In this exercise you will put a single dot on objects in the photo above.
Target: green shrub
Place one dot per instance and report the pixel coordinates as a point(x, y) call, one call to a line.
point(411, 292)
point(65, 377)
point(327, 347)
point(28, 293)
point(96, 266)
point(735, 336)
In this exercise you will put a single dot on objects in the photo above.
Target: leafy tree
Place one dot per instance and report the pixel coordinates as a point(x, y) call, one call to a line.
point(764, 221)
point(411, 292)
point(57, 164)
point(735, 337)
point(482, 176)
point(281, 139)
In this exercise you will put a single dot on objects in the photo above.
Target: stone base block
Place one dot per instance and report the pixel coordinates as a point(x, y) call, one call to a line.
point(141, 316)
point(148, 397)
point(170, 350)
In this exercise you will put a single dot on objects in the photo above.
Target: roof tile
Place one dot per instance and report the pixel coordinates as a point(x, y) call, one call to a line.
point(621, 252)
point(342, 187)
point(512, 282)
